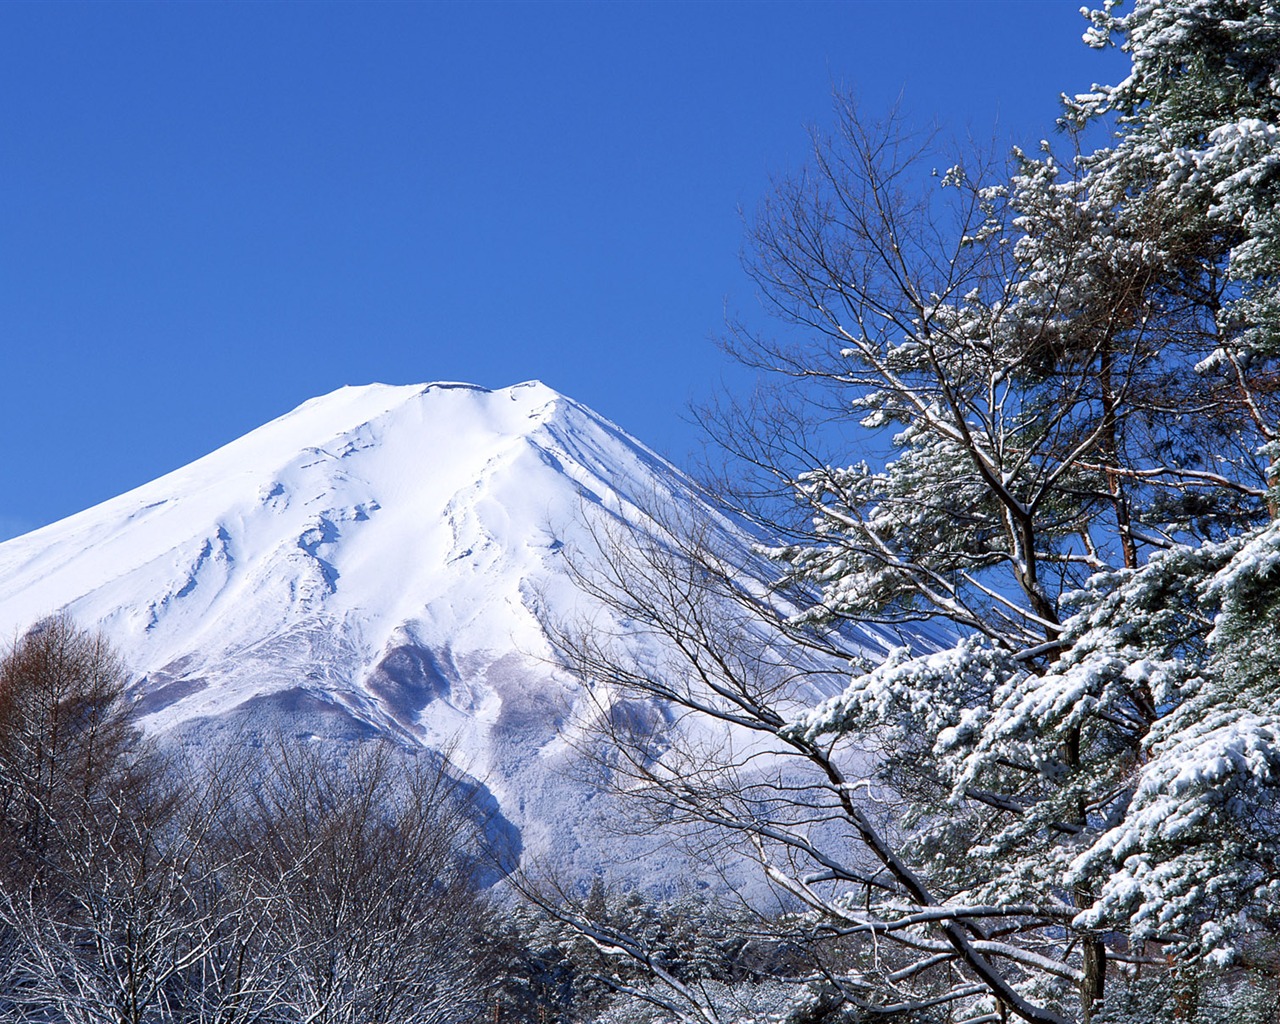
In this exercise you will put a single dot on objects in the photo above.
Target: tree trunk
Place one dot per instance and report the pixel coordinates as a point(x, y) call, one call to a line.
point(1092, 988)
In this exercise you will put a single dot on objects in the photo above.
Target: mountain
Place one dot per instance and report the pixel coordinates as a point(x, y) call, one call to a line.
point(381, 560)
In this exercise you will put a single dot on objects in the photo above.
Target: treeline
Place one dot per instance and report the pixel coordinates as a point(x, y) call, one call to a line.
point(273, 885)
point(282, 883)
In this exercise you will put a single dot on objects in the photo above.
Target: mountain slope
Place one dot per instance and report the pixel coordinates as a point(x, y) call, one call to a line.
point(380, 560)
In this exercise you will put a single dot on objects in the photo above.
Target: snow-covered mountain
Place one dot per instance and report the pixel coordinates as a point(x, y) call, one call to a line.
point(380, 560)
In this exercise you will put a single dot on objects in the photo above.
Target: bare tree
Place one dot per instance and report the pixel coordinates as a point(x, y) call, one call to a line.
point(66, 732)
point(366, 870)
point(1010, 352)
point(824, 827)
point(236, 889)
point(103, 845)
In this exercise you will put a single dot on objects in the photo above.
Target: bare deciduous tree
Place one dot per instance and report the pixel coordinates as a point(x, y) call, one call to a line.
point(299, 887)
point(367, 873)
point(824, 828)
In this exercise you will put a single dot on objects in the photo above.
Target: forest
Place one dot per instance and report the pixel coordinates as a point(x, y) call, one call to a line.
point(1021, 411)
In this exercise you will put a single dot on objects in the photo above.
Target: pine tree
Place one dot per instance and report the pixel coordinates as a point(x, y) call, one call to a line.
point(1126, 766)
point(1064, 378)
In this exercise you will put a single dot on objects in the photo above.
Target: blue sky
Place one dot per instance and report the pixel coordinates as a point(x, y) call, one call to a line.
point(212, 212)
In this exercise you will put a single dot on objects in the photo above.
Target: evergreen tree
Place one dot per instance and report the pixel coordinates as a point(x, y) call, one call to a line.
point(1071, 375)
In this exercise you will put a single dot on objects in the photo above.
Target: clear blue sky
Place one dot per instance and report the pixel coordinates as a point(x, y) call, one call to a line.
point(212, 212)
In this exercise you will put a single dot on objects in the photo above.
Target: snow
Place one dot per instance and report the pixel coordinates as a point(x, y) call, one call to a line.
point(349, 506)
point(383, 558)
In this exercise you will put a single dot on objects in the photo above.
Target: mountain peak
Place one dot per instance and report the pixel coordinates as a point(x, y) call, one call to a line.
point(381, 560)
point(356, 504)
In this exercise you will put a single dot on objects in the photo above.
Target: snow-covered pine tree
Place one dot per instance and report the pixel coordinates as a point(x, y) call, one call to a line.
point(1065, 381)
point(1200, 142)
point(1113, 401)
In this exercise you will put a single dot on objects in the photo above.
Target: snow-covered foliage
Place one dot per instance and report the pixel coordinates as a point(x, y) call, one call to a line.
point(1068, 372)
point(1138, 774)
point(1197, 848)
point(1087, 448)
point(1200, 131)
